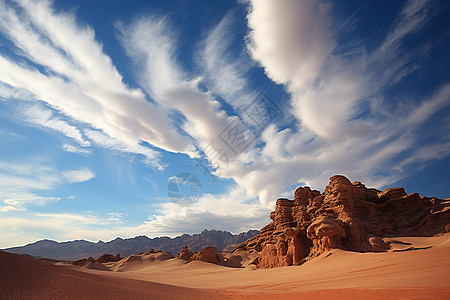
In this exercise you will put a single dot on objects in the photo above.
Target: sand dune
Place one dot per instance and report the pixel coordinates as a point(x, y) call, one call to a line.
point(416, 268)
point(137, 262)
point(27, 278)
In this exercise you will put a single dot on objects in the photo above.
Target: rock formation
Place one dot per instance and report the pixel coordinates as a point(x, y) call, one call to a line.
point(102, 259)
point(108, 258)
point(208, 254)
point(185, 253)
point(378, 244)
point(84, 262)
point(346, 215)
point(326, 233)
point(211, 255)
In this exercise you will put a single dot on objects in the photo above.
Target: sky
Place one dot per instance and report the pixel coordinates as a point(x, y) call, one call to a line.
point(157, 118)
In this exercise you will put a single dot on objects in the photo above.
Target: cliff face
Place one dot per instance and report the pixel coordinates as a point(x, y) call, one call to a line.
point(346, 215)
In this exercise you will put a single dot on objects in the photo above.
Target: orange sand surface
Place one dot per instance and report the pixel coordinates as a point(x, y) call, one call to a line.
point(416, 268)
point(27, 278)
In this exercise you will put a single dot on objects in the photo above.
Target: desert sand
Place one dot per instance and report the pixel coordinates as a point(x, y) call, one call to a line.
point(415, 268)
point(24, 277)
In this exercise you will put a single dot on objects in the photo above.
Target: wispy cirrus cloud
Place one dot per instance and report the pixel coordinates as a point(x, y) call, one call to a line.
point(64, 66)
point(8, 92)
point(225, 70)
point(75, 149)
point(151, 44)
point(21, 183)
point(151, 157)
point(413, 17)
point(44, 117)
point(80, 175)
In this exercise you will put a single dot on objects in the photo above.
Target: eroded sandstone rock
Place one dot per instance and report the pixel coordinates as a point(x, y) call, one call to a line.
point(378, 244)
point(326, 234)
point(211, 255)
point(185, 253)
point(346, 215)
point(108, 258)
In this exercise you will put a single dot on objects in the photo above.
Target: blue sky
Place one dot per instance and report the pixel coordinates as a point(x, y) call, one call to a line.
point(105, 106)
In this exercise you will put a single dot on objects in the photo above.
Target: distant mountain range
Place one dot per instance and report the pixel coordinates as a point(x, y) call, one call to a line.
point(78, 249)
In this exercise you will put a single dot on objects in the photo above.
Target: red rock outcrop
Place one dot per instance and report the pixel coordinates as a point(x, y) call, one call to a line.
point(108, 258)
point(91, 263)
point(378, 244)
point(102, 259)
point(211, 255)
point(346, 215)
point(83, 262)
point(326, 234)
point(185, 253)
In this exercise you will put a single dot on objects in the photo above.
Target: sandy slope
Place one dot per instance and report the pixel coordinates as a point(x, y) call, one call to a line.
point(419, 269)
point(27, 278)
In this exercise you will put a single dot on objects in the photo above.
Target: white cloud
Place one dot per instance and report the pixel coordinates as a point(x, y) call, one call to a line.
point(9, 92)
point(75, 149)
point(428, 108)
point(31, 227)
point(80, 81)
point(294, 42)
point(231, 211)
point(115, 217)
point(102, 140)
point(67, 219)
point(413, 17)
point(225, 73)
point(76, 176)
point(19, 200)
point(292, 39)
point(151, 44)
point(44, 117)
point(21, 183)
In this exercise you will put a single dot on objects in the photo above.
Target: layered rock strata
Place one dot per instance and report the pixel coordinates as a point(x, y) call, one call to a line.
point(346, 215)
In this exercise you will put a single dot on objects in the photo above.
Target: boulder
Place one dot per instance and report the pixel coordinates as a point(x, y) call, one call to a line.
point(378, 244)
